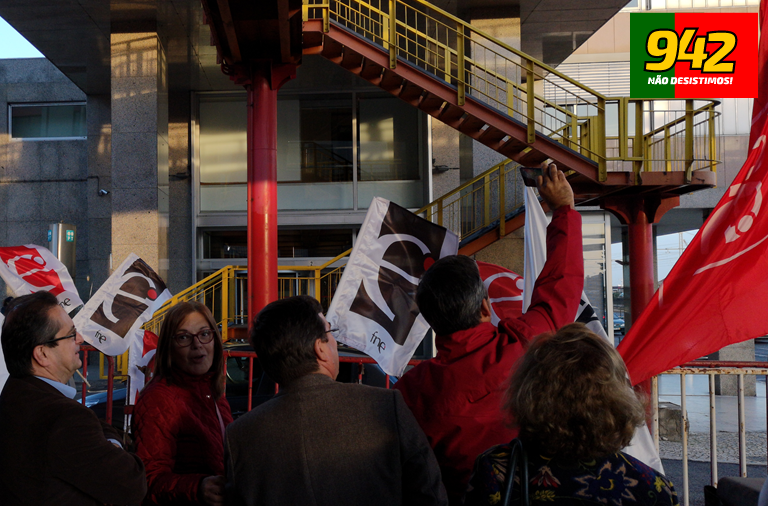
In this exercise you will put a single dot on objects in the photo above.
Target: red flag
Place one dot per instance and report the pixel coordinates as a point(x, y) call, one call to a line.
point(505, 291)
point(712, 296)
point(760, 107)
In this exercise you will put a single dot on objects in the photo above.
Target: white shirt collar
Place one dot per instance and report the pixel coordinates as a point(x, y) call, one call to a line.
point(66, 390)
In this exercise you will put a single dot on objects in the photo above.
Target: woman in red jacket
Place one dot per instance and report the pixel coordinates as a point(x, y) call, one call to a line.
point(180, 417)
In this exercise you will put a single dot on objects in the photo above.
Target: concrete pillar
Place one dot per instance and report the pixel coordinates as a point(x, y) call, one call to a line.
point(99, 183)
point(139, 103)
point(740, 352)
point(180, 242)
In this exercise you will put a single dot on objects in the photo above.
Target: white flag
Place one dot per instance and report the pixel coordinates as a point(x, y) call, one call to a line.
point(113, 317)
point(641, 447)
point(140, 356)
point(30, 268)
point(374, 306)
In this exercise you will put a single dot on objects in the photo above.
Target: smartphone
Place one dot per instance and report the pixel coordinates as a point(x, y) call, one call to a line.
point(530, 174)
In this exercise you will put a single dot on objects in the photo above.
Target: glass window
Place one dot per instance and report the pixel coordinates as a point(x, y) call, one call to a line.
point(48, 121)
point(314, 152)
point(389, 148)
point(291, 243)
point(388, 158)
point(316, 155)
point(223, 153)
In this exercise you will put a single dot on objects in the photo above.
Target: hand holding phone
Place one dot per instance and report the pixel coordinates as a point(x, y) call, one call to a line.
point(530, 174)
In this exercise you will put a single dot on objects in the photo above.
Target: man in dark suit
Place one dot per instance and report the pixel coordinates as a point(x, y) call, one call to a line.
point(54, 450)
point(318, 441)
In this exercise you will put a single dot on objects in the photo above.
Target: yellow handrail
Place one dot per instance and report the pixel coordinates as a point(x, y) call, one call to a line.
point(470, 208)
point(522, 87)
point(477, 204)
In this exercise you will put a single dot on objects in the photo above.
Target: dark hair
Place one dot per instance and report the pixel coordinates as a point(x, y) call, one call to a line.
point(284, 334)
point(451, 294)
point(164, 367)
point(571, 396)
point(28, 324)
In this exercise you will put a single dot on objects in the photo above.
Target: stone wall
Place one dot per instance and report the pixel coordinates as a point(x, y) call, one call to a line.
point(43, 182)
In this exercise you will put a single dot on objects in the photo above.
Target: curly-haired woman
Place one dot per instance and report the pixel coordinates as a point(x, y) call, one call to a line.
point(571, 402)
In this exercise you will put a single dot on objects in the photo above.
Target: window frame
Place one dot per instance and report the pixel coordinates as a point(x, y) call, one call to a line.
point(11, 106)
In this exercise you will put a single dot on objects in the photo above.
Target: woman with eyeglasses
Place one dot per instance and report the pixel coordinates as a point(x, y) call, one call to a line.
point(180, 416)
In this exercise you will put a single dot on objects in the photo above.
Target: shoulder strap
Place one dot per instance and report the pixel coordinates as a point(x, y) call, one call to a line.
point(516, 453)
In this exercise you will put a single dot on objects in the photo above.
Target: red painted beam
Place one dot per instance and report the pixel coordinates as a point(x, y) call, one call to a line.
point(262, 192)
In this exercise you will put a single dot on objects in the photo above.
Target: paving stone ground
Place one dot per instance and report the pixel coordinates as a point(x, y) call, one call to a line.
point(727, 448)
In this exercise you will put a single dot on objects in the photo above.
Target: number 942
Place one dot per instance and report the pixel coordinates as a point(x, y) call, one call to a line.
point(665, 44)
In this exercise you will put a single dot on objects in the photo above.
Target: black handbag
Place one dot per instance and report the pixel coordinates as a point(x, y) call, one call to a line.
point(516, 455)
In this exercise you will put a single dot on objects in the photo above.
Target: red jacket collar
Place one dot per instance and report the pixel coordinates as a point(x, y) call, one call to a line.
point(454, 346)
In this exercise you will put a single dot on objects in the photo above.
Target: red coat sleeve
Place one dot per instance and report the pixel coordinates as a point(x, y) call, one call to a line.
point(557, 292)
point(157, 419)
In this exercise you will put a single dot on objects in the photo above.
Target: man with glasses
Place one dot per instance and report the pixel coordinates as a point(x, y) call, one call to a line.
point(54, 450)
point(318, 441)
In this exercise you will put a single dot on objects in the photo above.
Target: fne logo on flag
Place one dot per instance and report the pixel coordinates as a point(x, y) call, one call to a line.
point(691, 55)
point(374, 307)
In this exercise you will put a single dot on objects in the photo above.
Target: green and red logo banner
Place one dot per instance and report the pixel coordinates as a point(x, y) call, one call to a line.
point(693, 55)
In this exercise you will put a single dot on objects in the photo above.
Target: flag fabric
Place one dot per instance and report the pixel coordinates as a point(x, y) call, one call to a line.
point(3, 368)
point(140, 362)
point(505, 291)
point(641, 447)
point(535, 248)
point(374, 306)
point(112, 318)
point(30, 268)
point(710, 298)
point(760, 106)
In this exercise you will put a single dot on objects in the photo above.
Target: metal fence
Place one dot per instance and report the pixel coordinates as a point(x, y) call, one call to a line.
point(710, 369)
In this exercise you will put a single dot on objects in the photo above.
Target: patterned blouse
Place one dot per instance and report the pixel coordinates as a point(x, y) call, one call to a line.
point(617, 480)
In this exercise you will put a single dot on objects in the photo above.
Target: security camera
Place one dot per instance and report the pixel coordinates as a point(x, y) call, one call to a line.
point(102, 193)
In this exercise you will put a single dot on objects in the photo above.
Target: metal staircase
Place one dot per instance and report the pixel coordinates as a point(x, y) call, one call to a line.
point(510, 102)
point(513, 103)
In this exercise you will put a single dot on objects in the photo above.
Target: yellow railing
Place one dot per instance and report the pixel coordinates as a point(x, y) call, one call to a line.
point(613, 132)
point(474, 206)
point(478, 203)
point(225, 291)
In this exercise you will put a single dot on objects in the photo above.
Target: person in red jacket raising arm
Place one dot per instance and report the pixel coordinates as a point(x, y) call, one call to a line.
point(457, 395)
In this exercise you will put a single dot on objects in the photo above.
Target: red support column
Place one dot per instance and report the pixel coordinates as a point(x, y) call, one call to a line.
point(641, 276)
point(262, 192)
point(639, 214)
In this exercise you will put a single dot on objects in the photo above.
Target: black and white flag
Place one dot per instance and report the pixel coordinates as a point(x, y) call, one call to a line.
point(374, 306)
point(113, 317)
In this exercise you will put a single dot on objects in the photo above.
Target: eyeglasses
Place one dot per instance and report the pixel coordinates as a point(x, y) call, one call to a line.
point(73, 335)
point(332, 331)
point(205, 336)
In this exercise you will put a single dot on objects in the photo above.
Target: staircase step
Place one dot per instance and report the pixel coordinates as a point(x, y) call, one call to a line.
point(371, 71)
point(332, 50)
point(512, 147)
point(351, 59)
point(411, 93)
point(312, 40)
point(451, 115)
point(471, 125)
point(391, 82)
point(491, 136)
point(431, 103)
point(532, 158)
